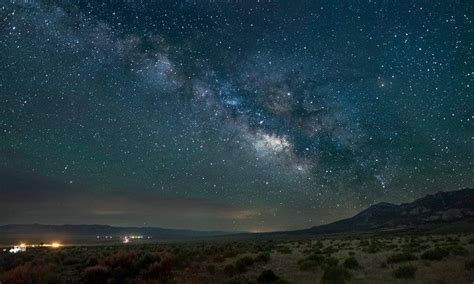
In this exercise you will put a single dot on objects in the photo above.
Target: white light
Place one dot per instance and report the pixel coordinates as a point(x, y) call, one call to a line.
point(17, 249)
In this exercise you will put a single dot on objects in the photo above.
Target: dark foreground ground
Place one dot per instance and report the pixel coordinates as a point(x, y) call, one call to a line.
point(393, 259)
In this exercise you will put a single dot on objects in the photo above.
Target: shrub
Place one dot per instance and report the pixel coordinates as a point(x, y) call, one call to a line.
point(122, 259)
point(161, 272)
point(469, 264)
point(70, 260)
point(118, 274)
point(92, 261)
point(218, 259)
point(459, 250)
point(26, 273)
point(230, 253)
point(335, 274)
point(267, 276)
point(401, 257)
point(331, 261)
point(435, 254)
point(182, 259)
point(351, 263)
point(329, 250)
point(311, 263)
point(211, 268)
point(314, 251)
point(308, 265)
point(373, 248)
point(263, 257)
point(229, 269)
point(52, 278)
point(146, 260)
point(96, 274)
point(241, 264)
point(405, 272)
point(284, 250)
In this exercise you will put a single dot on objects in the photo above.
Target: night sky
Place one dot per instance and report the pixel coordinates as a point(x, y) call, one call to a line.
point(231, 115)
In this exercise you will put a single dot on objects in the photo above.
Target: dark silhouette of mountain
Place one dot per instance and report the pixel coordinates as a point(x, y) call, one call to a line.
point(432, 210)
point(84, 232)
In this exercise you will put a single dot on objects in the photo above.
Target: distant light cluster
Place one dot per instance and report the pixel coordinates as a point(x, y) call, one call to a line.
point(23, 246)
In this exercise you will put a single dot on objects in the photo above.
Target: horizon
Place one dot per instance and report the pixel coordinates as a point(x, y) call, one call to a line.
point(220, 231)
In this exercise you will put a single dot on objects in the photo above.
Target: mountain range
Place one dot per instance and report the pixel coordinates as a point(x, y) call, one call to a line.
point(430, 212)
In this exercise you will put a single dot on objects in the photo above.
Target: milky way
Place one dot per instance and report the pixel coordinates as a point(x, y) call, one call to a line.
point(235, 115)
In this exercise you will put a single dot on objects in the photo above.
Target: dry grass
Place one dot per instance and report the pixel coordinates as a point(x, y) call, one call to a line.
point(416, 259)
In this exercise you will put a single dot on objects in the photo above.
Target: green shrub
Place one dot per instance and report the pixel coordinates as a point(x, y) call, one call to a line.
point(329, 250)
point(182, 259)
point(145, 261)
point(469, 264)
point(218, 259)
point(351, 263)
point(311, 262)
point(263, 257)
point(230, 270)
point(405, 272)
point(314, 251)
point(211, 268)
point(459, 250)
point(314, 261)
point(92, 261)
point(241, 264)
point(336, 274)
point(373, 248)
point(230, 253)
point(52, 278)
point(284, 250)
point(331, 261)
point(435, 254)
point(124, 260)
point(267, 276)
point(96, 274)
point(308, 265)
point(160, 272)
point(401, 257)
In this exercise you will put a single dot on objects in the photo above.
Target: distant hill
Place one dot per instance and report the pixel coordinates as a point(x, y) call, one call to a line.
point(39, 232)
point(430, 211)
point(454, 209)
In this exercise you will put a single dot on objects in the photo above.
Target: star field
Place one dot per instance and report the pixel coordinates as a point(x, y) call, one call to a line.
point(232, 115)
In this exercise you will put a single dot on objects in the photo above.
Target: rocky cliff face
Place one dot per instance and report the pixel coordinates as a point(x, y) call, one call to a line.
point(431, 209)
point(442, 206)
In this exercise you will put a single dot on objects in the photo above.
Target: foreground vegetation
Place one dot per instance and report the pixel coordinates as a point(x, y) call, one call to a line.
point(414, 259)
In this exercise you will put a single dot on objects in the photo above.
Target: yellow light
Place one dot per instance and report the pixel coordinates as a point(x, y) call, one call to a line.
point(55, 245)
point(23, 245)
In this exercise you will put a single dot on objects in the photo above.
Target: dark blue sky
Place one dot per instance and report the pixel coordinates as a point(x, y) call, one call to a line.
point(246, 115)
